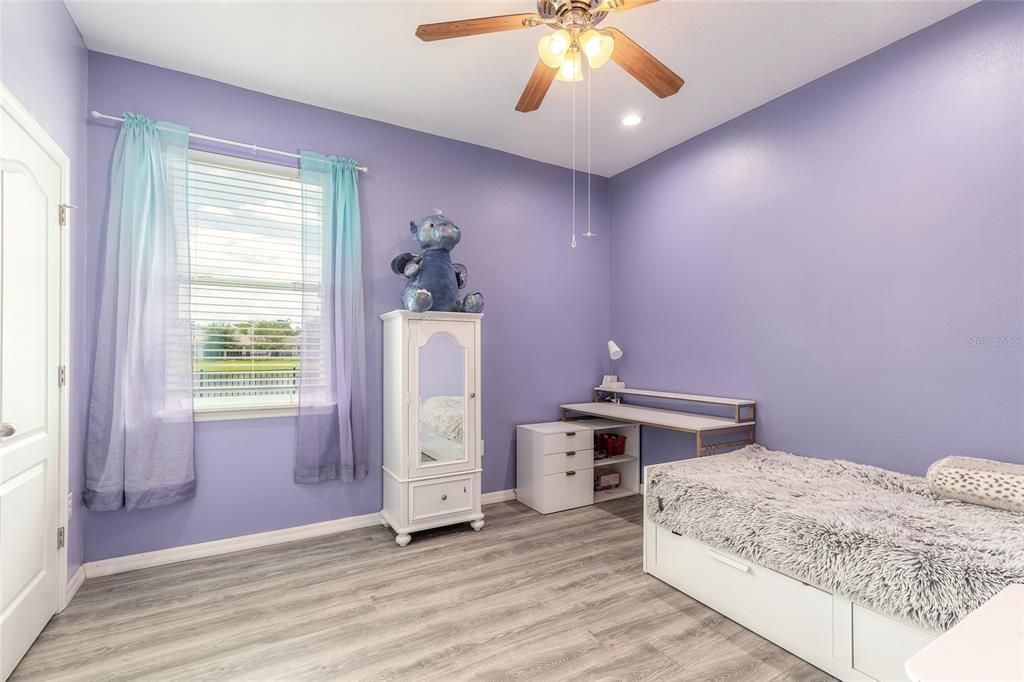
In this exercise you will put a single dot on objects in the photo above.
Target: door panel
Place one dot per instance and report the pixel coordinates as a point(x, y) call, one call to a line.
point(23, 531)
point(24, 303)
point(442, 397)
point(30, 194)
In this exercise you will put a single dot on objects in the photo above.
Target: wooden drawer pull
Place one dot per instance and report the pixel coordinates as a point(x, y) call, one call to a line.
point(729, 562)
point(570, 453)
point(570, 473)
point(570, 434)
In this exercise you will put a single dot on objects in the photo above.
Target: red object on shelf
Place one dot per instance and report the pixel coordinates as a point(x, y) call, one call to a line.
point(611, 444)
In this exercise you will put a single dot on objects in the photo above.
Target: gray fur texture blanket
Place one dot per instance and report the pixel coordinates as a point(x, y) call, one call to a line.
point(876, 537)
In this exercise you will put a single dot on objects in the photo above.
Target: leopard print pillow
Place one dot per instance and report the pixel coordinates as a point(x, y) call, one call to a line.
point(979, 481)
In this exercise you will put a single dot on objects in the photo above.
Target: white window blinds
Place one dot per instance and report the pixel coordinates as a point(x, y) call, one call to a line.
point(247, 281)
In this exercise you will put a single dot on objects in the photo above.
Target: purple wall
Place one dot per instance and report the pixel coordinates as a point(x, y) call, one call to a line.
point(838, 253)
point(44, 63)
point(543, 332)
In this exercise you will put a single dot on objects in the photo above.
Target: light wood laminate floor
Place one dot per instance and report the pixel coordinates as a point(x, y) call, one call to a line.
point(529, 597)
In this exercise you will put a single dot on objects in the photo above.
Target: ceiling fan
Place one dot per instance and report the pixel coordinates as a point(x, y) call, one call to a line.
point(562, 51)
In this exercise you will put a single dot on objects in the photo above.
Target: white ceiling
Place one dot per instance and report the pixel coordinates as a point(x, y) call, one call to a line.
point(362, 58)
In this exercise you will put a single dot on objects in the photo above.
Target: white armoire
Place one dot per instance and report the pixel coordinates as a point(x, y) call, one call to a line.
point(432, 440)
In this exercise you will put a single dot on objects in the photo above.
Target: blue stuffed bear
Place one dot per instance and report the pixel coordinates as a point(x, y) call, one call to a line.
point(434, 281)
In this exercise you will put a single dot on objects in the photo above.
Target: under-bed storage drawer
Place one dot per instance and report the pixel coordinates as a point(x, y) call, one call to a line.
point(795, 615)
point(881, 645)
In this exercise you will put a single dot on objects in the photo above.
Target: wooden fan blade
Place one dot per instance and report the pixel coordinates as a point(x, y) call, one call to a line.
point(622, 5)
point(536, 88)
point(472, 27)
point(642, 65)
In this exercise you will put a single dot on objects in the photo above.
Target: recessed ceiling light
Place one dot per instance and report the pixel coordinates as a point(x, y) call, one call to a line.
point(630, 120)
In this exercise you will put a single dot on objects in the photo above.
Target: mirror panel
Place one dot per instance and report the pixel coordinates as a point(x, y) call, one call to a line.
point(442, 406)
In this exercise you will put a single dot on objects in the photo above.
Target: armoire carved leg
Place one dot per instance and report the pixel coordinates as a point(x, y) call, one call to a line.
point(403, 539)
point(478, 524)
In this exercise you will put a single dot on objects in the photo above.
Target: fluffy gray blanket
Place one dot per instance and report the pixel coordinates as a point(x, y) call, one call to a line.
point(876, 537)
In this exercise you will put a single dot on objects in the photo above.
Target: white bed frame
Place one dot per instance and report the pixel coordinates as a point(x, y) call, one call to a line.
point(842, 638)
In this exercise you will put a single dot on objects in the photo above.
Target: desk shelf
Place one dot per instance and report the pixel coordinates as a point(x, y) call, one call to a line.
point(617, 459)
point(710, 431)
point(613, 494)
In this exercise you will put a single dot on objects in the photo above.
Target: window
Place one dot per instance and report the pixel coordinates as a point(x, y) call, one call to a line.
point(245, 221)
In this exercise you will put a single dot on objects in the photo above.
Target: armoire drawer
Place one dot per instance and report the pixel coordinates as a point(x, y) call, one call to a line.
point(568, 489)
point(440, 497)
point(568, 461)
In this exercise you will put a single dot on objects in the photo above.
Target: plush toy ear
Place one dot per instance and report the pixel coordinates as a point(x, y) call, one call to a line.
point(412, 226)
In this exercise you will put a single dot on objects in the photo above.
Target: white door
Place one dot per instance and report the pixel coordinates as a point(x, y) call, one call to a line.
point(443, 409)
point(30, 194)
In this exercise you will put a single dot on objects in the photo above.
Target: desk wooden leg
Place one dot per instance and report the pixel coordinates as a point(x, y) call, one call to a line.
point(700, 444)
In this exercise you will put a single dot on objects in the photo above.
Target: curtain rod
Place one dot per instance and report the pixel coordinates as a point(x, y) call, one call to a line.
point(221, 140)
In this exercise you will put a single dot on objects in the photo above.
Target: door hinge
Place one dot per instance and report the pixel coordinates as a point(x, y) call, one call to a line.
point(62, 375)
point(62, 213)
point(60, 538)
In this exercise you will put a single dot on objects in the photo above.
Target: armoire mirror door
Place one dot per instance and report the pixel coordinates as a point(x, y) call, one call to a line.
point(443, 398)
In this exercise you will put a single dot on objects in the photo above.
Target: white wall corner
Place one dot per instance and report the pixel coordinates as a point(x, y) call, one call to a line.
point(71, 588)
point(498, 496)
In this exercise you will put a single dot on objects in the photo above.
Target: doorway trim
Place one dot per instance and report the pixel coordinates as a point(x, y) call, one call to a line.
point(14, 108)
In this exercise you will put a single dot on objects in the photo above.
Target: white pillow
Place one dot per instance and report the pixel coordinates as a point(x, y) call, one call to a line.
point(979, 481)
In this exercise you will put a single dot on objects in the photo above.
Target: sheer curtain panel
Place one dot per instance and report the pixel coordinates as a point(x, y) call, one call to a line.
point(139, 450)
point(332, 423)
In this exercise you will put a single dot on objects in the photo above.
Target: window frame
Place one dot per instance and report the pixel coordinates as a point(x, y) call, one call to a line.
point(269, 409)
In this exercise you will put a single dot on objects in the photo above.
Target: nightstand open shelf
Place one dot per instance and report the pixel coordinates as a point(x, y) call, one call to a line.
point(556, 466)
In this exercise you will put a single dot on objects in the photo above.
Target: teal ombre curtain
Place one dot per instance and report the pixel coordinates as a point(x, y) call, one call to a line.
point(139, 448)
point(331, 434)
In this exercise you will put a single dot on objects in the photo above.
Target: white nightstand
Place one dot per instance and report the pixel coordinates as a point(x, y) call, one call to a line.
point(555, 463)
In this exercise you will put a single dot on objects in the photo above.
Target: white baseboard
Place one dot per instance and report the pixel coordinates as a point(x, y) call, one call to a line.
point(71, 589)
point(498, 496)
point(173, 555)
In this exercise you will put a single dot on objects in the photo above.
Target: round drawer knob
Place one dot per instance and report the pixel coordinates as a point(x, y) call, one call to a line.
point(444, 497)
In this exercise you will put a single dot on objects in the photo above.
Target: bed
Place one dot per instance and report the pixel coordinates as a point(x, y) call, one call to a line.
point(851, 567)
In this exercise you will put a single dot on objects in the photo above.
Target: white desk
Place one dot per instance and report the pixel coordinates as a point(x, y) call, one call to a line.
point(701, 425)
point(986, 645)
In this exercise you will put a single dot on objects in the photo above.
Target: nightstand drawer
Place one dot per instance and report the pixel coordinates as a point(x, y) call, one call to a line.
point(439, 497)
point(567, 490)
point(567, 461)
point(570, 439)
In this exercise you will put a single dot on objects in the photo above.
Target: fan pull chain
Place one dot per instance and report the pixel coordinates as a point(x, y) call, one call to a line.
point(574, 164)
point(588, 233)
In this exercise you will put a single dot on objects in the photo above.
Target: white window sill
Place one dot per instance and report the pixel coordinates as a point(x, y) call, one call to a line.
point(235, 412)
point(220, 414)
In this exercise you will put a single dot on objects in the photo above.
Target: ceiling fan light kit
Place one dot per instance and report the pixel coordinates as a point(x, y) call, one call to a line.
point(553, 47)
point(598, 46)
point(571, 68)
point(575, 35)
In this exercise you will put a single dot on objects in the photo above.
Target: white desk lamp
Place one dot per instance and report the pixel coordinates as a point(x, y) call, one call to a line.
point(610, 380)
